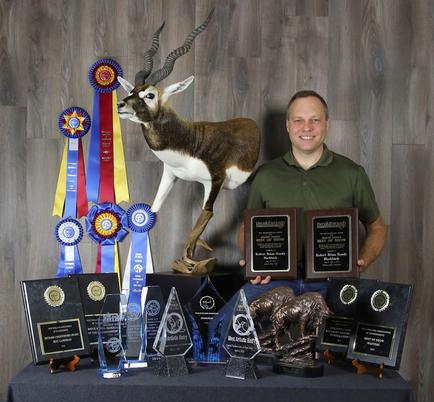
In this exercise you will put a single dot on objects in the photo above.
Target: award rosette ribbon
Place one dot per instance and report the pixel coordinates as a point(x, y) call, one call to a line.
point(106, 224)
point(107, 176)
point(69, 233)
point(70, 198)
point(140, 220)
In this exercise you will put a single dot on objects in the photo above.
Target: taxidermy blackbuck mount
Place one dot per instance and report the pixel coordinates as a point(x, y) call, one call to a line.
point(216, 154)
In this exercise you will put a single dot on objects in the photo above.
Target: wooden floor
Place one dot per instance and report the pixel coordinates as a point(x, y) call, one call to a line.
point(371, 59)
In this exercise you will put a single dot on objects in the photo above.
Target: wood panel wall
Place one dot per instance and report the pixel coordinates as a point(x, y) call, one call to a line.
point(372, 60)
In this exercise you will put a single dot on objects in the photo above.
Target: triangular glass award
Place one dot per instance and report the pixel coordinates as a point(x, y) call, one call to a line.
point(153, 308)
point(201, 309)
point(173, 339)
point(241, 342)
point(112, 332)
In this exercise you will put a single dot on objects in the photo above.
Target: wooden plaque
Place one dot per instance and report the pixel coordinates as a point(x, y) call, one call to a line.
point(271, 242)
point(331, 243)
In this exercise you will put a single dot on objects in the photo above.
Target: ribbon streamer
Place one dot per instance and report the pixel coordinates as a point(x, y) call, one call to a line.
point(139, 262)
point(106, 224)
point(69, 233)
point(70, 198)
point(107, 177)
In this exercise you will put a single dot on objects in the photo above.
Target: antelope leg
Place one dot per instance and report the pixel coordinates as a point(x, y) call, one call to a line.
point(199, 227)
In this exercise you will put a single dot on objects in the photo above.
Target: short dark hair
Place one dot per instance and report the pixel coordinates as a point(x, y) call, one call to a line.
point(306, 94)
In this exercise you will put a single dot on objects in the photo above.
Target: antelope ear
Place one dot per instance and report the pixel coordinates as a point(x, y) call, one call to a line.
point(176, 88)
point(125, 84)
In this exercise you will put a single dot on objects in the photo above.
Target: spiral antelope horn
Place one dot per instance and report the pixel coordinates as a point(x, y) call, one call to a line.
point(163, 72)
point(148, 58)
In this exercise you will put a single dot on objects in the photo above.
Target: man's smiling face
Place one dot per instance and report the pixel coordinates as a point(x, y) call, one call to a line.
point(307, 125)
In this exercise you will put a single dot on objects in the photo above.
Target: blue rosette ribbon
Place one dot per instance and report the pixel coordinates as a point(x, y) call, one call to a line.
point(70, 198)
point(140, 220)
point(69, 233)
point(106, 224)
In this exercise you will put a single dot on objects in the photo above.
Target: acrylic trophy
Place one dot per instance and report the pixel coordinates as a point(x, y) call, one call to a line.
point(173, 339)
point(112, 332)
point(134, 339)
point(201, 309)
point(241, 342)
point(153, 308)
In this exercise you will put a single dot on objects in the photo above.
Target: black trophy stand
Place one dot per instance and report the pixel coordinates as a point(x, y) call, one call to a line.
point(241, 368)
point(172, 366)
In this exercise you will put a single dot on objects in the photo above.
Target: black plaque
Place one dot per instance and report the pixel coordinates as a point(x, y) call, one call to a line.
point(93, 289)
point(55, 319)
point(331, 243)
point(271, 243)
point(382, 315)
point(342, 296)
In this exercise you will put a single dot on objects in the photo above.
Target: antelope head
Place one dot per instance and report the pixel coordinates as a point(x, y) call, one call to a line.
point(145, 99)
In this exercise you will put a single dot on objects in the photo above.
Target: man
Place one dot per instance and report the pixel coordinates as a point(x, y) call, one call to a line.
point(310, 176)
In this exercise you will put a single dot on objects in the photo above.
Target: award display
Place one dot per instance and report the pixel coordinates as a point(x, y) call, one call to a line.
point(93, 289)
point(271, 242)
point(382, 315)
point(71, 199)
point(153, 308)
point(241, 342)
point(173, 340)
point(55, 319)
point(106, 224)
point(201, 309)
point(342, 299)
point(107, 176)
point(112, 332)
point(69, 233)
point(331, 243)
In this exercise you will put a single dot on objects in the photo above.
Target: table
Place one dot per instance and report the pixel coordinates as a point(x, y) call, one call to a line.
point(205, 384)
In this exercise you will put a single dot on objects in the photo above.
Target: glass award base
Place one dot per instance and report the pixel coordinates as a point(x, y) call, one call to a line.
point(299, 368)
point(172, 366)
point(241, 368)
point(135, 364)
point(103, 373)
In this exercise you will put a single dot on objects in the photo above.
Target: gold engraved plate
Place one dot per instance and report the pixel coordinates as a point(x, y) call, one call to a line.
point(54, 296)
point(96, 290)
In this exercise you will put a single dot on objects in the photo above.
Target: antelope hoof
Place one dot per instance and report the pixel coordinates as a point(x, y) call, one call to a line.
point(188, 266)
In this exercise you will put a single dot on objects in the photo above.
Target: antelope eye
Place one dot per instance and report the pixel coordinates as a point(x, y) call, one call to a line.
point(150, 96)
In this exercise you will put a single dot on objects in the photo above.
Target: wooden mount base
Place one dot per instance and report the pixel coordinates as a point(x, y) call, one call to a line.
point(70, 364)
point(363, 368)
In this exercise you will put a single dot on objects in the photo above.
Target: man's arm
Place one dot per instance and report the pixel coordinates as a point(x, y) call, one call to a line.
point(242, 245)
point(373, 245)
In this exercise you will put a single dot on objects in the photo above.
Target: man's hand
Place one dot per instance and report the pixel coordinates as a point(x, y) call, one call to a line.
point(258, 280)
point(361, 265)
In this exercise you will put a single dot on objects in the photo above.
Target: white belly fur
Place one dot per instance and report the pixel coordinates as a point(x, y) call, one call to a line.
point(192, 169)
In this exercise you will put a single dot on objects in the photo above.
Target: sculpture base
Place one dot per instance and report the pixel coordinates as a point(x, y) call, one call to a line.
point(241, 368)
point(172, 366)
point(194, 267)
point(299, 368)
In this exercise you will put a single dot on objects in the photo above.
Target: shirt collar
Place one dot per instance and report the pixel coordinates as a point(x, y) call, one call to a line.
point(325, 160)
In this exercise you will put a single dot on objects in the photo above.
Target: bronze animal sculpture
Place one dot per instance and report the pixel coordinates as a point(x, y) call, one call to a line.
point(307, 311)
point(215, 154)
point(266, 304)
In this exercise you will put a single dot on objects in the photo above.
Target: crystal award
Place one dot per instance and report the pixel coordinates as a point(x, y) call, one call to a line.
point(241, 342)
point(112, 332)
point(201, 309)
point(173, 339)
point(134, 339)
point(152, 307)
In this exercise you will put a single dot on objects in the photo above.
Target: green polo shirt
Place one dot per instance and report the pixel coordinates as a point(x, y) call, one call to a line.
point(333, 182)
